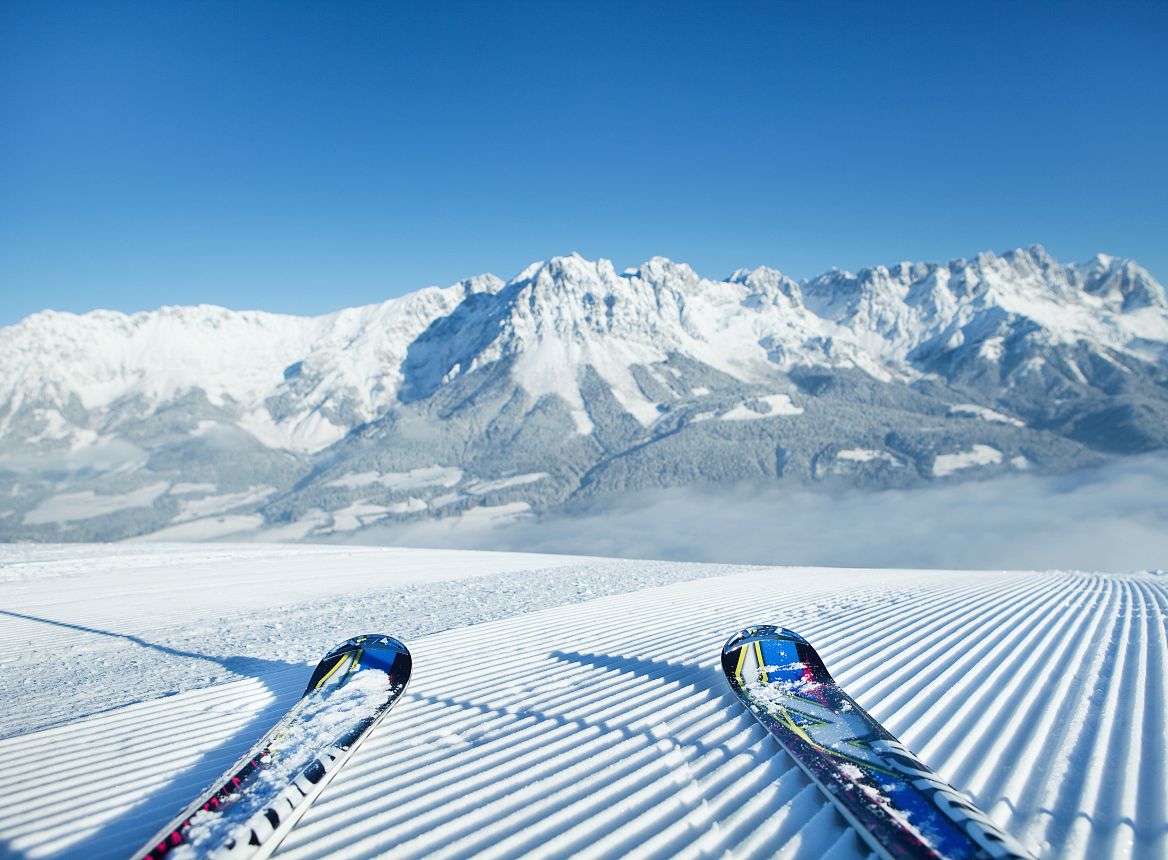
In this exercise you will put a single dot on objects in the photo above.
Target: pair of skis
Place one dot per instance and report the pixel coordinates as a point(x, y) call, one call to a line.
point(898, 806)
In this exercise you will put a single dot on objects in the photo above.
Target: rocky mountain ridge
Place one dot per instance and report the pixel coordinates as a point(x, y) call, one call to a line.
point(571, 381)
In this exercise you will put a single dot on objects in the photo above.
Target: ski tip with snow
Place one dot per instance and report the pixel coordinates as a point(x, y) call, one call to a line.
point(371, 651)
point(248, 810)
point(897, 804)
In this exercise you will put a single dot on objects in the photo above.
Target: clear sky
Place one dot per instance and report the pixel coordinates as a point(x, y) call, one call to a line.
point(307, 156)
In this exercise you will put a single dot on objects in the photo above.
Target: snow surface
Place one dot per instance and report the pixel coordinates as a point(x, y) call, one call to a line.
point(486, 514)
point(772, 405)
point(198, 508)
point(848, 459)
point(359, 514)
point(859, 455)
point(479, 488)
point(316, 726)
point(567, 705)
point(431, 476)
point(978, 455)
point(207, 528)
point(87, 504)
point(984, 413)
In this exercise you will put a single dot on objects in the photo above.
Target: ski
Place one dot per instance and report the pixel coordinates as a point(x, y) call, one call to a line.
point(896, 803)
point(248, 810)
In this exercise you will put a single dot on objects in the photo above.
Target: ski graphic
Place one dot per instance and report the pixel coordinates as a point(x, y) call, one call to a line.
point(248, 810)
point(900, 807)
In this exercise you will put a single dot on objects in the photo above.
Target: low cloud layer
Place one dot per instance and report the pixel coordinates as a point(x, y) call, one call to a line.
point(1111, 518)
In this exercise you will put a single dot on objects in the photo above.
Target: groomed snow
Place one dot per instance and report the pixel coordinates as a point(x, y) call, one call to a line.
point(567, 705)
point(295, 746)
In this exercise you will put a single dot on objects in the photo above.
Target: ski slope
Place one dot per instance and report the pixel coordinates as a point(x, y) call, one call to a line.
point(567, 706)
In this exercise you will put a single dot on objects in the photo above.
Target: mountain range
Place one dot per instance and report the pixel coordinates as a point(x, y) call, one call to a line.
point(569, 383)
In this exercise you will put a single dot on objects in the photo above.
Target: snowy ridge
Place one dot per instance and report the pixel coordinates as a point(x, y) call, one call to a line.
point(203, 423)
point(340, 368)
point(604, 729)
point(303, 383)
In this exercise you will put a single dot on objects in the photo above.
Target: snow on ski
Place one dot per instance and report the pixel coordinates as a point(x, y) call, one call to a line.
point(896, 803)
point(253, 806)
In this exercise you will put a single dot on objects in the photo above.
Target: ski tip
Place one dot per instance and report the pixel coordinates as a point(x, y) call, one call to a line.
point(371, 642)
point(366, 651)
point(761, 633)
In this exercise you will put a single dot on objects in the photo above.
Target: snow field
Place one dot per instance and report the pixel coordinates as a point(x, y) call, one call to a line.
point(605, 729)
point(625, 742)
point(978, 455)
point(87, 504)
point(775, 404)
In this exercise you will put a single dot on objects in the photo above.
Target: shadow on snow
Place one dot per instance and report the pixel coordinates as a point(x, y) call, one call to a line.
point(130, 828)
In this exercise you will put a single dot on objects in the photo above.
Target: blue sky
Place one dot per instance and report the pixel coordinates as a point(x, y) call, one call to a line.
point(302, 157)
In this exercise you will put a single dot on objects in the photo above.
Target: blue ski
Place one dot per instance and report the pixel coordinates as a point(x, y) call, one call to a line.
point(248, 810)
point(896, 803)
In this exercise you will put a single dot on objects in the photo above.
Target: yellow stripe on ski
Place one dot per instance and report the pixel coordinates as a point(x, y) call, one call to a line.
point(762, 673)
point(348, 658)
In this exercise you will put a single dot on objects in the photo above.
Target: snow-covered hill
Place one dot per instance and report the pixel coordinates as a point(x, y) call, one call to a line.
point(571, 381)
point(567, 706)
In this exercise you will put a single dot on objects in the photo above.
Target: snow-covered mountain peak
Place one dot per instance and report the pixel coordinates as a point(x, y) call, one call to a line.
point(661, 271)
point(760, 277)
point(574, 379)
point(484, 283)
point(303, 383)
point(568, 277)
point(766, 284)
point(571, 314)
point(1122, 283)
point(103, 356)
point(568, 267)
point(578, 298)
point(1032, 260)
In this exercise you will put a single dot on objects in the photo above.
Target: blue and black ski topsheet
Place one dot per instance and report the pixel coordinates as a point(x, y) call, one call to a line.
point(899, 806)
point(248, 810)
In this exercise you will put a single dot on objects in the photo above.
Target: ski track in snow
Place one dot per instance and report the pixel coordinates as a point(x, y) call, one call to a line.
point(599, 728)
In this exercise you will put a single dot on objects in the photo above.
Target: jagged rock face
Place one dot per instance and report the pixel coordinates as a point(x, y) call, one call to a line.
point(572, 381)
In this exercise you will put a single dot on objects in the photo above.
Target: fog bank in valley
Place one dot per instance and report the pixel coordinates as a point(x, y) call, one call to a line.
point(1109, 518)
